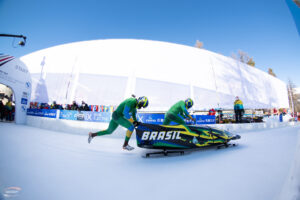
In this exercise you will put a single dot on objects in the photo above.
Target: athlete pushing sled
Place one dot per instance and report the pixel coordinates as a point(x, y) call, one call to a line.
point(121, 116)
point(179, 111)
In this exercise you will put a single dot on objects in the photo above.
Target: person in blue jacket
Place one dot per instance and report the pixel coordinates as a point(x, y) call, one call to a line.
point(238, 110)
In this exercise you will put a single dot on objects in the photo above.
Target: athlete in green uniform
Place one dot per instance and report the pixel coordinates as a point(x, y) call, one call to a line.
point(177, 110)
point(121, 116)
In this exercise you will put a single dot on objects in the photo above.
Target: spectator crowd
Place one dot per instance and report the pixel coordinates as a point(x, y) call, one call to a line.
point(74, 106)
point(7, 109)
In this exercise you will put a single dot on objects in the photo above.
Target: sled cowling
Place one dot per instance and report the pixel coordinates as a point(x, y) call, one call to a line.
point(153, 136)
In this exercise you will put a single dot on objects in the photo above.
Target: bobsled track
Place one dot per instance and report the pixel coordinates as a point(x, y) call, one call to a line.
point(38, 164)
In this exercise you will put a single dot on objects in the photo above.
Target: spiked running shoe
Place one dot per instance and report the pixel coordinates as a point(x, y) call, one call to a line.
point(90, 137)
point(128, 148)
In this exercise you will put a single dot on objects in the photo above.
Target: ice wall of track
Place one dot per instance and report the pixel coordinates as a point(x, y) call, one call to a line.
point(79, 127)
point(290, 191)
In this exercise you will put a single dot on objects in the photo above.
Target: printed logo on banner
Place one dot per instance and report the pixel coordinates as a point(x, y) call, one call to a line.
point(5, 59)
point(24, 101)
point(101, 116)
point(23, 108)
point(68, 114)
point(25, 95)
point(140, 117)
point(42, 113)
point(152, 118)
point(21, 69)
point(162, 135)
point(80, 116)
point(65, 114)
point(27, 84)
point(158, 118)
point(205, 119)
point(85, 116)
point(88, 116)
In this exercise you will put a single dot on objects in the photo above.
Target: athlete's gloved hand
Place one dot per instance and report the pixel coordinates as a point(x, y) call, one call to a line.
point(136, 123)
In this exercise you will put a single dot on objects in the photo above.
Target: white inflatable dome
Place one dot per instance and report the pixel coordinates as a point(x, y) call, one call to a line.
point(104, 72)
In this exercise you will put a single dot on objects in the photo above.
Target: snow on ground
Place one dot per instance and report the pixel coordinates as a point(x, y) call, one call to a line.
point(50, 165)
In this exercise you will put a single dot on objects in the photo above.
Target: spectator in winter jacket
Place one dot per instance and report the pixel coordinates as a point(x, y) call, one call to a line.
point(74, 106)
point(8, 108)
point(2, 110)
point(54, 105)
point(84, 107)
point(212, 112)
point(220, 116)
point(275, 112)
point(238, 109)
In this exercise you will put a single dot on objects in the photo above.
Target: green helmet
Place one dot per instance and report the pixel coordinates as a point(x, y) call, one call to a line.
point(142, 102)
point(189, 103)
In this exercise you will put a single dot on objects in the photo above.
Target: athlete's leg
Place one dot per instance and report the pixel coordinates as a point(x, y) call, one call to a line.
point(111, 127)
point(127, 138)
point(240, 116)
point(128, 132)
point(236, 116)
point(127, 124)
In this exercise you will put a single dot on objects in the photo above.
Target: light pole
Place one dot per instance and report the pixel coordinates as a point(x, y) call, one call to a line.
point(21, 43)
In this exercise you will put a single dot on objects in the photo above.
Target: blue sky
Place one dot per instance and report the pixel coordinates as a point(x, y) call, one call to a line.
point(264, 29)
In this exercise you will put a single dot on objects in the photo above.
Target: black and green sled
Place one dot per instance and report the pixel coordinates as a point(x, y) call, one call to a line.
point(166, 137)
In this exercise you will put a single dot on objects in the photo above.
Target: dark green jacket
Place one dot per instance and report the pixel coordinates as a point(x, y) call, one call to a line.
point(179, 108)
point(126, 107)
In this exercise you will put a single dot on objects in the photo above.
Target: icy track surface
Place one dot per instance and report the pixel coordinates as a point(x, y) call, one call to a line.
point(48, 165)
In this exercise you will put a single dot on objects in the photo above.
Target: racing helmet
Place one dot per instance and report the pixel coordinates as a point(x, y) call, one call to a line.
point(189, 103)
point(142, 102)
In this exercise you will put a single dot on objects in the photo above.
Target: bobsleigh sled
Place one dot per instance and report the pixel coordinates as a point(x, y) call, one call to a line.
point(180, 137)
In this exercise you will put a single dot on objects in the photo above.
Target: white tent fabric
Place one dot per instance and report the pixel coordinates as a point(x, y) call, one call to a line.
point(104, 72)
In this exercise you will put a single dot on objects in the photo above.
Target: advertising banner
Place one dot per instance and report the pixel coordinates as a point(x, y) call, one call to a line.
point(158, 118)
point(85, 116)
point(42, 113)
point(24, 101)
point(149, 118)
point(204, 119)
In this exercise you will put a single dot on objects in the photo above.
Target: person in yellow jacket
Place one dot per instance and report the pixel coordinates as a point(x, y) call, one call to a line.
point(238, 109)
point(9, 110)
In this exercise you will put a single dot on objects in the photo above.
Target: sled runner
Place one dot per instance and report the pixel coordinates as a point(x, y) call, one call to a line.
point(176, 138)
